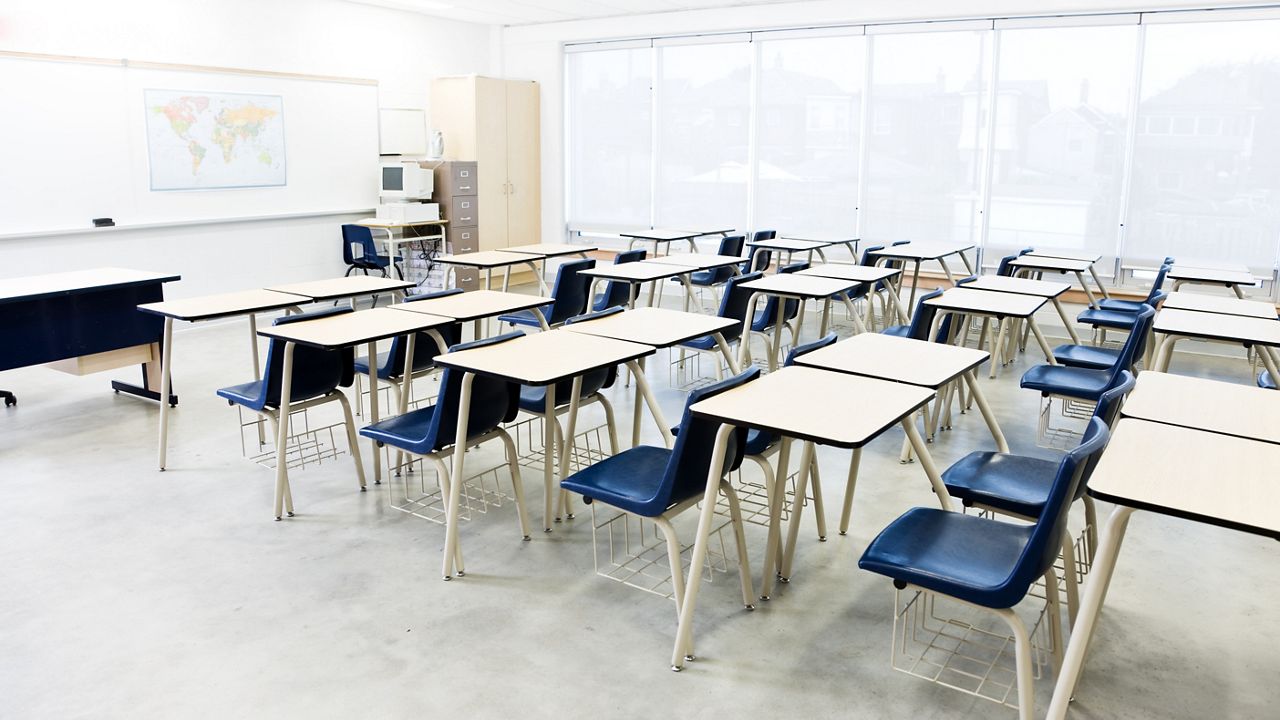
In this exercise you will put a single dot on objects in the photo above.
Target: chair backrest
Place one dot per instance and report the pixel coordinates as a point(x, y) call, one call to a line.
point(493, 401)
point(1042, 547)
point(618, 293)
point(1136, 344)
point(863, 289)
point(357, 244)
point(1026, 251)
point(734, 304)
point(1004, 268)
point(765, 318)
point(686, 472)
point(759, 261)
point(596, 380)
point(570, 291)
point(760, 235)
point(1107, 411)
point(797, 351)
point(1158, 283)
point(425, 348)
point(316, 372)
point(730, 245)
point(922, 318)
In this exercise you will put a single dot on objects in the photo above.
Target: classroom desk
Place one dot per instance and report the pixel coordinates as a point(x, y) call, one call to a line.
point(478, 305)
point(817, 407)
point(1026, 286)
point(850, 243)
point(917, 253)
point(794, 286)
point(915, 362)
point(551, 250)
point(1181, 274)
point(660, 328)
point(1214, 265)
point(213, 307)
point(998, 305)
point(540, 359)
point(1191, 474)
point(1178, 325)
point(351, 286)
point(1091, 257)
point(88, 318)
point(1220, 305)
point(336, 332)
point(867, 274)
point(488, 260)
point(636, 274)
point(1222, 407)
point(790, 246)
point(701, 261)
point(665, 236)
point(1075, 266)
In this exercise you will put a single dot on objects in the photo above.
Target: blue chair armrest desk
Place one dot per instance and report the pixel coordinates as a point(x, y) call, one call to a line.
point(390, 364)
point(569, 295)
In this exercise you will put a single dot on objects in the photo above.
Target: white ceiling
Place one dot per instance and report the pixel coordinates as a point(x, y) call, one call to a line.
point(528, 12)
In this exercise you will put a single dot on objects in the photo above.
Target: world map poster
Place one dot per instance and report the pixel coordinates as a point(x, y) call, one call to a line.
point(202, 141)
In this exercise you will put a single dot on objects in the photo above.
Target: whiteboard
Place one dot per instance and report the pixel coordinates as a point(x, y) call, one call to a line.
point(75, 148)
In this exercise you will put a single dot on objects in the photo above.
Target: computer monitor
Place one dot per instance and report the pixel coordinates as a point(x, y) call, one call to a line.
point(405, 181)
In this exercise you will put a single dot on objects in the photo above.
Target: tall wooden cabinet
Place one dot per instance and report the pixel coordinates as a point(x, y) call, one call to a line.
point(495, 123)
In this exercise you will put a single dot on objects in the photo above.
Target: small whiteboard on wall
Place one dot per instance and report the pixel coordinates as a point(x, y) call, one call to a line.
point(83, 136)
point(402, 131)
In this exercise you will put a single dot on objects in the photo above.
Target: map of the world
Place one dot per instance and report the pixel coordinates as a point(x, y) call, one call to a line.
point(199, 141)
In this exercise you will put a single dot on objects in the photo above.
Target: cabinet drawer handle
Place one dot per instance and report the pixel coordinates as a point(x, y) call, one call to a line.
point(464, 187)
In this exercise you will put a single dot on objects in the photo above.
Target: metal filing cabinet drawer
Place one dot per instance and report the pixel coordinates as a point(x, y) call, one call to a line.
point(464, 239)
point(462, 176)
point(464, 211)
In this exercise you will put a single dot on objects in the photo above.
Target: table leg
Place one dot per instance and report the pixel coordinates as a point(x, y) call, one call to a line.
point(777, 497)
point(548, 456)
point(858, 326)
point(726, 352)
point(1095, 591)
point(635, 405)
point(684, 634)
point(257, 368)
point(488, 279)
point(744, 340)
point(946, 270)
point(968, 266)
point(642, 386)
point(1268, 357)
point(896, 302)
point(915, 281)
point(992, 424)
point(797, 506)
point(1165, 354)
point(166, 359)
point(850, 485)
point(689, 296)
point(776, 346)
point(282, 434)
point(1101, 288)
point(1066, 321)
point(542, 281)
point(371, 349)
point(451, 547)
point(566, 447)
point(826, 318)
point(1093, 302)
point(926, 461)
point(1040, 340)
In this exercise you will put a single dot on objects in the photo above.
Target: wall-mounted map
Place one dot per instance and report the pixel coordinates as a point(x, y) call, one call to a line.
point(200, 141)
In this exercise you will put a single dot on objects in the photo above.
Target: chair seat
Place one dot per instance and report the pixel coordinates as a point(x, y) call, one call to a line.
point(252, 395)
point(1080, 383)
point(1012, 483)
point(1266, 381)
point(758, 441)
point(384, 372)
point(1130, 306)
point(897, 331)
point(1087, 356)
point(964, 556)
point(523, 317)
point(629, 481)
point(1108, 318)
point(706, 342)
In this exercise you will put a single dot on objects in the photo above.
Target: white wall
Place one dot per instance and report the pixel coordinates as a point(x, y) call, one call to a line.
point(401, 50)
point(535, 51)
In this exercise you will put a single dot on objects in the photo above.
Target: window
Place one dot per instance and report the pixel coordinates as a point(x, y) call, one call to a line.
point(1063, 96)
point(704, 97)
point(610, 137)
point(1198, 195)
point(923, 171)
point(807, 164)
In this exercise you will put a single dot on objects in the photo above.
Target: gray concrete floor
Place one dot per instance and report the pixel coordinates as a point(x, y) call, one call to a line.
point(133, 593)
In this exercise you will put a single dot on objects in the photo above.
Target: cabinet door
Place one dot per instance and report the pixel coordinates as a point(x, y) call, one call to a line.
point(524, 167)
point(491, 160)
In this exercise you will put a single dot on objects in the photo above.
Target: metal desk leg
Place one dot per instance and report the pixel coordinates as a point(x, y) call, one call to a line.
point(283, 496)
point(452, 550)
point(548, 456)
point(776, 346)
point(166, 367)
point(1101, 288)
point(642, 387)
point(635, 404)
point(1044, 344)
point(371, 349)
point(915, 280)
point(726, 352)
point(566, 447)
point(993, 425)
point(926, 461)
point(946, 270)
point(689, 297)
point(1066, 321)
point(968, 266)
point(684, 634)
point(850, 485)
point(744, 340)
point(777, 497)
point(1093, 302)
point(257, 373)
point(858, 326)
point(797, 504)
point(1095, 592)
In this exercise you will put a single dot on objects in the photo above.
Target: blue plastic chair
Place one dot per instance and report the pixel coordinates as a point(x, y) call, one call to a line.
point(733, 304)
point(1019, 485)
point(1098, 357)
point(569, 296)
point(317, 376)
point(764, 320)
point(1088, 383)
point(730, 245)
point(390, 364)
point(988, 563)
point(618, 294)
point(921, 320)
point(658, 483)
point(430, 432)
point(360, 252)
point(1133, 306)
point(1266, 381)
